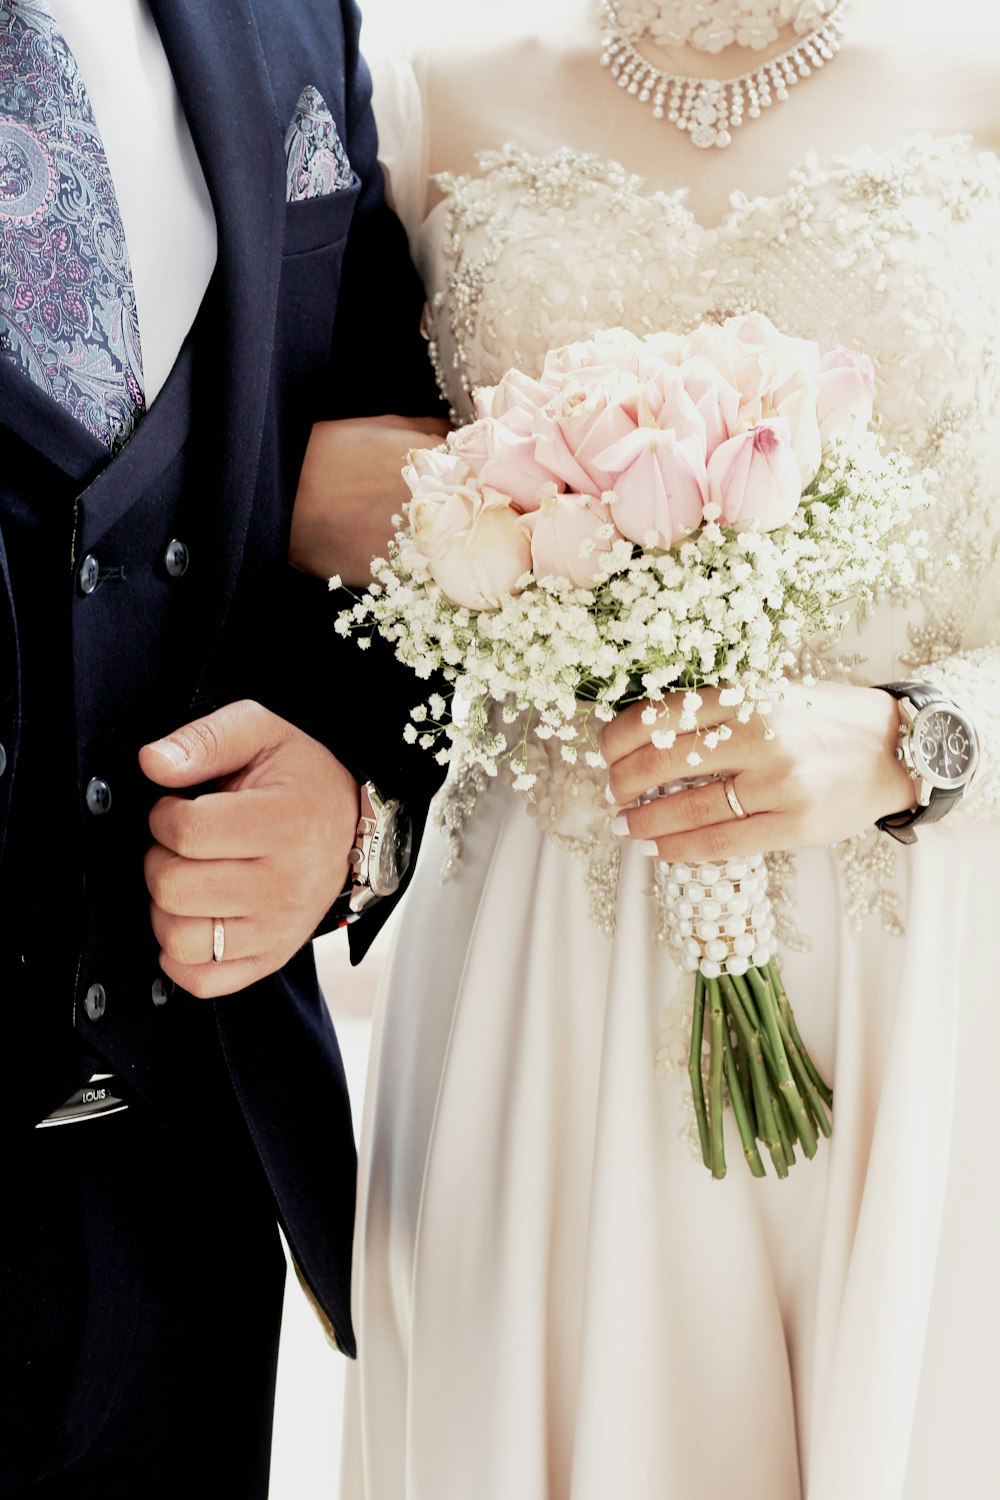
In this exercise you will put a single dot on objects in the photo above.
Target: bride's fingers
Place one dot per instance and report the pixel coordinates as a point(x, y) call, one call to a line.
point(721, 841)
point(629, 730)
point(700, 807)
point(647, 766)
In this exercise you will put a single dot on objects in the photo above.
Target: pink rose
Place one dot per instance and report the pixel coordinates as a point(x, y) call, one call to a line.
point(666, 404)
point(564, 538)
point(574, 429)
point(717, 402)
point(435, 471)
point(798, 407)
point(789, 356)
point(471, 544)
point(660, 485)
point(846, 384)
point(754, 478)
point(473, 444)
point(516, 392)
point(613, 349)
point(504, 460)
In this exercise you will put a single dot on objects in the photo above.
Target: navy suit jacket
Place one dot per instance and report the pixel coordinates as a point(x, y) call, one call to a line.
point(313, 312)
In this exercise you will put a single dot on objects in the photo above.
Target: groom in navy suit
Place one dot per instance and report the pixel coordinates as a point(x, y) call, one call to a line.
point(182, 739)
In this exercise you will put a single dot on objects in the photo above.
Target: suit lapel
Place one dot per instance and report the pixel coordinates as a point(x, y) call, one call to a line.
point(218, 66)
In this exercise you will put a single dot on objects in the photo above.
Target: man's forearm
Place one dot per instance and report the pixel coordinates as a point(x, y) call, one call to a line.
point(349, 490)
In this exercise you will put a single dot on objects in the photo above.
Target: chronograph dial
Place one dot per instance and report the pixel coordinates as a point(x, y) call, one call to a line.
point(940, 749)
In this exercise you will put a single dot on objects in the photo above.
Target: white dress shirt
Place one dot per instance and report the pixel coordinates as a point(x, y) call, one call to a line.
point(165, 208)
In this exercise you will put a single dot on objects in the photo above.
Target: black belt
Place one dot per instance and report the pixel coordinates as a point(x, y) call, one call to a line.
point(98, 1097)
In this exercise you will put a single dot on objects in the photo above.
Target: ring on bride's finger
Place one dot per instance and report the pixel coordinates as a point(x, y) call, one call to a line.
point(218, 939)
point(739, 811)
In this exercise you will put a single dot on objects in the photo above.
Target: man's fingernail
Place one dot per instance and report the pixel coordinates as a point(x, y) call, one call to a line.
point(171, 751)
point(620, 826)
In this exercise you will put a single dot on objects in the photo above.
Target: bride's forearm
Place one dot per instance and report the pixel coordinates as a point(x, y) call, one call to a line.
point(350, 488)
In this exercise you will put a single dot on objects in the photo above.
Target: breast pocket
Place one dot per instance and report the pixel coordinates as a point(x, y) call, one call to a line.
point(316, 233)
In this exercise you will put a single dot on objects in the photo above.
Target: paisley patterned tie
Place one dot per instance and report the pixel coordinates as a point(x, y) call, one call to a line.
point(68, 315)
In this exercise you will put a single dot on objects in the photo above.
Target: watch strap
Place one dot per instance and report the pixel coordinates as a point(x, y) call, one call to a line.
point(902, 824)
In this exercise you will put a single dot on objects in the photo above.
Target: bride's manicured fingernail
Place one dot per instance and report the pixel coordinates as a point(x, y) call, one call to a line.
point(620, 826)
point(650, 847)
point(609, 796)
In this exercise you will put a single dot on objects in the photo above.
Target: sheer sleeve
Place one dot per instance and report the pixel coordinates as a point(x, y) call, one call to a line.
point(404, 137)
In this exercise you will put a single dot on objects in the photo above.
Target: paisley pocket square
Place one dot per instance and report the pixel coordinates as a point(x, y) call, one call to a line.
point(315, 160)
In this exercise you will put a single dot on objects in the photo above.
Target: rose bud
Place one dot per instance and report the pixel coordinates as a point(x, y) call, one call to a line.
point(565, 540)
point(717, 401)
point(660, 484)
point(666, 404)
point(846, 385)
point(754, 478)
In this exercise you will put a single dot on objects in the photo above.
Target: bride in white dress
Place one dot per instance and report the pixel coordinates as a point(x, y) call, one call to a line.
point(554, 1301)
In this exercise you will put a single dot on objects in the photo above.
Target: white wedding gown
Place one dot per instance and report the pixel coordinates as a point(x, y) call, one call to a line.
point(554, 1301)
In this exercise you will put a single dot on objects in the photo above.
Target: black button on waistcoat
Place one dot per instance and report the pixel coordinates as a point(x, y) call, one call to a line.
point(89, 575)
point(95, 1002)
point(98, 796)
point(176, 558)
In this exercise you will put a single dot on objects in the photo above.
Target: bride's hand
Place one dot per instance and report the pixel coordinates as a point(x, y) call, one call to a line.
point(828, 773)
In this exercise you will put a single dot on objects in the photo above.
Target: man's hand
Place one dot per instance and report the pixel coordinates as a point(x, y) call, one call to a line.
point(264, 848)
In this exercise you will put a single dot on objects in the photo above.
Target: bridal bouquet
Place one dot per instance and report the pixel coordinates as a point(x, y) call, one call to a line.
point(648, 517)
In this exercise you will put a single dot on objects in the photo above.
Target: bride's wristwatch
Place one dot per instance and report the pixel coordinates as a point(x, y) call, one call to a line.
point(380, 856)
point(939, 747)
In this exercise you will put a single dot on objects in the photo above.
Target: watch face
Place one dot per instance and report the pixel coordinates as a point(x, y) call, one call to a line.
point(392, 843)
point(944, 746)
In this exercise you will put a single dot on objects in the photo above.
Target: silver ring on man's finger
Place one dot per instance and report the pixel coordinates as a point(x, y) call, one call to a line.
point(218, 939)
point(739, 811)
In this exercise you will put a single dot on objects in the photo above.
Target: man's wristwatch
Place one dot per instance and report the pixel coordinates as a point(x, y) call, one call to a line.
point(380, 856)
point(939, 747)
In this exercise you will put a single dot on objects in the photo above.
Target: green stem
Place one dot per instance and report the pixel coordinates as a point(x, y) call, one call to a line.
point(746, 1082)
point(694, 1068)
point(783, 1077)
point(741, 1111)
point(786, 1130)
point(787, 1014)
point(751, 1037)
point(716, 1054)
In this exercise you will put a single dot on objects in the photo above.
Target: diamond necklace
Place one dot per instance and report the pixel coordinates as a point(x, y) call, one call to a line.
point(710, 109)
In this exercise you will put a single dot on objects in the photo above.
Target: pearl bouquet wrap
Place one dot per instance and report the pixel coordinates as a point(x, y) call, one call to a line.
point(643, 518)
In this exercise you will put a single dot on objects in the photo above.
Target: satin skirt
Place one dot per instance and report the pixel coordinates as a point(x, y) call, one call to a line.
point(553, 1299)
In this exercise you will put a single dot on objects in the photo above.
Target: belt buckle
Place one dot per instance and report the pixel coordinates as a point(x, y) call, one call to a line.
point(98, 1097)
